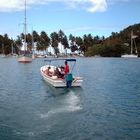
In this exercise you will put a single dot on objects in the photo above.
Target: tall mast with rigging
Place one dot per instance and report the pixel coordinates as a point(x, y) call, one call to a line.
point(25, 28)
point(25, 59)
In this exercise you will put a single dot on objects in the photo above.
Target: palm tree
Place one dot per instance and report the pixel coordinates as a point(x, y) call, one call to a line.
point(65, 43)
point(44, 40)
point(72, 39)
point(35, 36)
point(60, 35)
point(54, 42)
point(79, 44)
point(63, 40)
point(88, 41)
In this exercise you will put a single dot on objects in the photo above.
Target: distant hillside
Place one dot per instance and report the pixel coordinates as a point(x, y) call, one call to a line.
point(124, 36)
point(117, 44)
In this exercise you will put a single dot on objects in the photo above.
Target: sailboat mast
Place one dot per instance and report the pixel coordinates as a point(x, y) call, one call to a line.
point(136, 51)
point(12, 49)
point(25, 59)
point(131, 41)
point(32, 41)
point(25, 26)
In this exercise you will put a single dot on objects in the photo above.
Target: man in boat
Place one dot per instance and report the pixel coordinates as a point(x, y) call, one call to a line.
point(68, 76)
point(66, 69)
point(58, 73)
point(48, 72)
point(62, 71)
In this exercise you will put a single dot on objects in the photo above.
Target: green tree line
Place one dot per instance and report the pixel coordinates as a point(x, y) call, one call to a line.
point(113, 46)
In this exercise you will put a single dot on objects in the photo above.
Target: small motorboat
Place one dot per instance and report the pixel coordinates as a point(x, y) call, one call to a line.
point(57, 81)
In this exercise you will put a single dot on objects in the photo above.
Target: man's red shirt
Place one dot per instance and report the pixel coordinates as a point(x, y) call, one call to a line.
point(66, 69)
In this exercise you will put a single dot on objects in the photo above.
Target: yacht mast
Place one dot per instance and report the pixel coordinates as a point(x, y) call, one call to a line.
point(25, 26)
point(131, 41)
point(25, 59)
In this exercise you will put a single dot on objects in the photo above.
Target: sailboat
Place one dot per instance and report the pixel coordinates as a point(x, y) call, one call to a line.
point(134, 52)
point(25, 58)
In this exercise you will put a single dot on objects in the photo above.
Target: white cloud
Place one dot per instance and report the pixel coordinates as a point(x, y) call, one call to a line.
point(98, 6)
point(10, 5)
point(17, 5)
point(88, 5)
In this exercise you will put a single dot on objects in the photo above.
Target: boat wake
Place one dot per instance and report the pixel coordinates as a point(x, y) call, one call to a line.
point(70, 103)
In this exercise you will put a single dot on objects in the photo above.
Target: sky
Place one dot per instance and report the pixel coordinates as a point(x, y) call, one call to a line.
point(76, 17)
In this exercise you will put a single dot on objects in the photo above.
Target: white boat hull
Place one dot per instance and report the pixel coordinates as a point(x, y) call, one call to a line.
point(59, 82)
point(129, 56)
point(24, 59)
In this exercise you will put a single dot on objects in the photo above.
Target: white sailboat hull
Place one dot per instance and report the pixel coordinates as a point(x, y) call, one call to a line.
point(129, 56)
point(24, 59)
point(59, 82)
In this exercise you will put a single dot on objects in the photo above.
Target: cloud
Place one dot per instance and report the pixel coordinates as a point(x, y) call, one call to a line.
point(89, 5)
point(98, 6)
point(10, 5)
point(17, 5)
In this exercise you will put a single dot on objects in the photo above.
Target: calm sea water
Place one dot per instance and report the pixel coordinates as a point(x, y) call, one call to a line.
point(107, 107)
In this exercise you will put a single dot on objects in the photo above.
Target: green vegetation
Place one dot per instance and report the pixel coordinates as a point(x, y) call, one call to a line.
point(112, 46)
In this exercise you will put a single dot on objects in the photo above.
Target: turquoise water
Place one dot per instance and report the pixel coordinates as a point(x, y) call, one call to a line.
point(107, 107)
